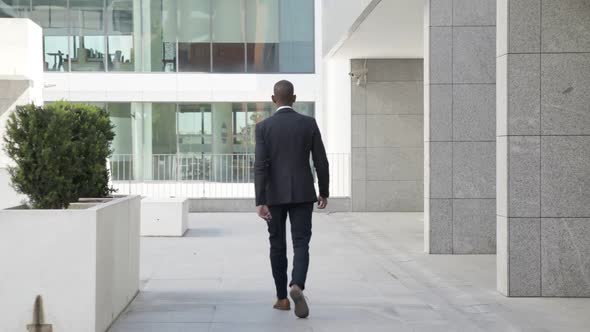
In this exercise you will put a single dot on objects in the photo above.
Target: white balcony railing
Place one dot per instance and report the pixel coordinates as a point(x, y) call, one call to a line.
point(205, 175)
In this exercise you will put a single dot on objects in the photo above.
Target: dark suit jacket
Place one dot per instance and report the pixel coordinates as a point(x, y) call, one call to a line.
point(284, 143)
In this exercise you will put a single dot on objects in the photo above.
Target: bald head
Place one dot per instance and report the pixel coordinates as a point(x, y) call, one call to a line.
point(284, 93)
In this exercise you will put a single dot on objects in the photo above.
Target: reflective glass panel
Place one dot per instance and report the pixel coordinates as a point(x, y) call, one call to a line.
point(296, 53)
point(194, 37)
point(122, 145)
point(158, 42)
point(305, 108)
point(240, 125)
point(262, 36)
point(120, 35)
point(53, 17)
point(229, 53)
point(163, 140)
point(256, 113)
point(14, 8)
point(87, 27)
point(201, 141)
point(194, 128)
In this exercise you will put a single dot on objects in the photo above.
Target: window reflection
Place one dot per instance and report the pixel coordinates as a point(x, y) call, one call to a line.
point(88, 44)
point(122, 145)
point(56, 54)
point(163, 128)
point(194, 128)
point(163, 143)
point(224, 36)
point(262, 36)
point(194, 37)
point(120, 35)
point(263, 57)
point(228, 36)
point(186, 142)
point(240, 126)
point(161, 45)
point(53, 16)
point(256, 113)
point(14, 8)
point(194, 57)
point(296, 54)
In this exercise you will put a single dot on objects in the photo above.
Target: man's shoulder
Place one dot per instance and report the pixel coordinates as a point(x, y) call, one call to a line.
point(308, 118)
point(309, 121)
point(263, 123)
point(304, 118)
point(294, 116)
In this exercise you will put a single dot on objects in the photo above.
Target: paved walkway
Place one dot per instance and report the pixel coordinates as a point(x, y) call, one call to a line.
point(368, 273)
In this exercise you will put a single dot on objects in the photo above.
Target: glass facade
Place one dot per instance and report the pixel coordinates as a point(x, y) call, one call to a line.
point(87, 29)
point(212, 36)
point(171, 142)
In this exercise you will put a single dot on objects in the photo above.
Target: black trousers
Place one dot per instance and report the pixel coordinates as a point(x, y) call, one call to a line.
point(300, 217)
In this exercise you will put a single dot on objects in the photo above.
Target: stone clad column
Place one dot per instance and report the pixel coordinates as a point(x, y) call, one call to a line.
point(460, 130)
point(543, 135)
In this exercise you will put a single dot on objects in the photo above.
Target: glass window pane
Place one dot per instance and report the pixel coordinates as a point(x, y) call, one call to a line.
point(88, 44)
point(14, 8)
point(228, 36)
point(194, 37)
point(52, 16)
point(239, 125)
point(55, 54)
point(305, 108)
point(296, 53)
point(122, 145)
point(194, 128)
point(256, 113)
point(163, 128)
point(262, 36)
point(120, 35)
point(157, 38)
point(163, 140)
point(194, 57)
point(120, 114)
point(207, 125)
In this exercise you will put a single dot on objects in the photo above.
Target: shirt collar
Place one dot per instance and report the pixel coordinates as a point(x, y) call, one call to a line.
point(284, 107)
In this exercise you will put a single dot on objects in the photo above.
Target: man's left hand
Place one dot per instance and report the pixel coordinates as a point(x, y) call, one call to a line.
point(322, 202)
point(263, 212)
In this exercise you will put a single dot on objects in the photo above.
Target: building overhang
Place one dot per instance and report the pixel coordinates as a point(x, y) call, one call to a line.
point(384, 29)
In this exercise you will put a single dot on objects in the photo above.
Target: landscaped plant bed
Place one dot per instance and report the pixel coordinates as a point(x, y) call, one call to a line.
point(84, 262)
point(80, 255)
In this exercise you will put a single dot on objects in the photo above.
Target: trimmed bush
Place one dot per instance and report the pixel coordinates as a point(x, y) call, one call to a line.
point(60, 153)
point(93, 132)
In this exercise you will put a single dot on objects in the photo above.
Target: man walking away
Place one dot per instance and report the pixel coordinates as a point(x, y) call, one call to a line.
point(285, 187)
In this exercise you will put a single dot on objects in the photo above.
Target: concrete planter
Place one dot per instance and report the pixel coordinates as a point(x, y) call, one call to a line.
point(164, 216)
point(84, 262)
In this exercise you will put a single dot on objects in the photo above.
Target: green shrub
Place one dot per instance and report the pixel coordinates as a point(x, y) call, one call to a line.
point(93, 133)
point(59, 152)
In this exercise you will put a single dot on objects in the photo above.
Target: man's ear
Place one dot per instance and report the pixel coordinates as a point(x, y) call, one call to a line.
point(274, 100)
point(294, 98)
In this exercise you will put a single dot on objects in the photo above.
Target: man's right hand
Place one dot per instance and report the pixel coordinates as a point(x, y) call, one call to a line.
point(263, 212)
point(322, 202)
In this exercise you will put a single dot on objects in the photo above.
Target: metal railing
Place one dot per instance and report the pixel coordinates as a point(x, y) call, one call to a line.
point(204, 175)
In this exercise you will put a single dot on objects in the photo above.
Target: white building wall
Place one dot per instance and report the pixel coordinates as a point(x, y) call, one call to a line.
point(337, 105)
point(21, 81)
point(21, 44)
point(170, 87)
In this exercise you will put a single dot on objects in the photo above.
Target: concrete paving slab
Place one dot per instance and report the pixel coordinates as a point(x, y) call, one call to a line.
point(368, 273)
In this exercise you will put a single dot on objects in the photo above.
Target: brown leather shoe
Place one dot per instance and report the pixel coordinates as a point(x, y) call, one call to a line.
point(283, 304)
point(301, 308)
